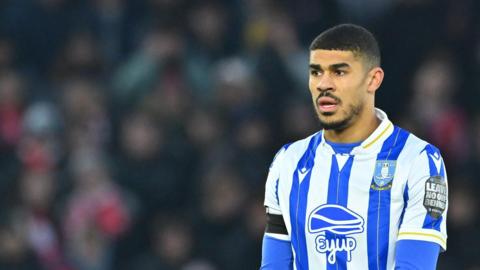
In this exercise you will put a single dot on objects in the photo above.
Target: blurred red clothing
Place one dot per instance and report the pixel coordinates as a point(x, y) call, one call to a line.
point(101, 209)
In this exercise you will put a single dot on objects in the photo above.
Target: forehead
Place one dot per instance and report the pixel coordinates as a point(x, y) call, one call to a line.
point(326, 58)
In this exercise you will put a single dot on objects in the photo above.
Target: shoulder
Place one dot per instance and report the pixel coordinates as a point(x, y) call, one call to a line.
point(423, 157)
point(296, 149)
point(417, 146)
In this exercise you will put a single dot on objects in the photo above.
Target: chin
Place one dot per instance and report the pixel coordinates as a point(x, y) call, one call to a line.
point(339, 120)
point(338, 126)
point(329, 117)
point(327, 114)
point(333, 123)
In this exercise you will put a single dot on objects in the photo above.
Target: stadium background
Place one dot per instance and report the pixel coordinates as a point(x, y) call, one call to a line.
point(137, 134)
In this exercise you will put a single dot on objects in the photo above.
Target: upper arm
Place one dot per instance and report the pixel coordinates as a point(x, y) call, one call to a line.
point(275, 223)
point(276, 251)
point(426, 199)
point(272, 202)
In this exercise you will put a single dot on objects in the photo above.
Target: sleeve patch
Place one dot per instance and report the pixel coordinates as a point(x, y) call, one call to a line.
point(435, 200)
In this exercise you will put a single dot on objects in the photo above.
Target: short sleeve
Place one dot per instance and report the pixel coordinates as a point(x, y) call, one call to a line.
point(426, 200)
point(272, 202)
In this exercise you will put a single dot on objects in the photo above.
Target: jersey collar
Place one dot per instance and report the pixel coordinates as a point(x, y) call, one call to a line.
point(374, 142)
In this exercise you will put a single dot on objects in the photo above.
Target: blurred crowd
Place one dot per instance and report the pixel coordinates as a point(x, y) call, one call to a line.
point(137, 134)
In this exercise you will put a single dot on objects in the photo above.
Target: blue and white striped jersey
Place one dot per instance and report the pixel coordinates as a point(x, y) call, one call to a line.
point(347, 211)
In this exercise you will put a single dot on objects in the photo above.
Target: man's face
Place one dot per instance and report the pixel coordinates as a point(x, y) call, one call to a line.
point(338, 84)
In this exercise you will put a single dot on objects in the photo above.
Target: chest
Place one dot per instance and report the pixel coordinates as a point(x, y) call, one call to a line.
point(342, 187)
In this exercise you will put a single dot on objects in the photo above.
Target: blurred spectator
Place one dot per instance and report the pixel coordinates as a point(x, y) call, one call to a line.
point(310, 16)
point(15, 253)
point(204, 130)
point(475, 129)
point(12, 106)
point(463, 212)
point(12, 88)
point(115, 25)
point(364, 12)
point(434, 107)
point(254, 223)
point(146, 166)
point(291, 126)
point(171, 245)
point(170, 97)
point(419, 28)
point(236, 89)
point(212, 38)
point(44, 23)
point(282, 56)
point(37, 191)
point(96, 214)
point(255, 29)
point(80, 57)
point(222, 201)
point(137, 75)
point(87, 122)
point(167, 12)
point(7, 55)
point(250, 136)
point(40, 148)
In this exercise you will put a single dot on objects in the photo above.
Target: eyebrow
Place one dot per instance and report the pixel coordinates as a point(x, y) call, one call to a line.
point(333, 66)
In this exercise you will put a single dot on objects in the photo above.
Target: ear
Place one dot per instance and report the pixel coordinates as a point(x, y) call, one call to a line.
point(375, 79)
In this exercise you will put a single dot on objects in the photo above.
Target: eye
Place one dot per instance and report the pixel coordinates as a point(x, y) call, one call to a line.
point(315, 72)
point(340, 72)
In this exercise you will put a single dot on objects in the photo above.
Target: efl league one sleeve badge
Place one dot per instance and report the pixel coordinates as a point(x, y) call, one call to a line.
point(384, 172)
point(435, 200)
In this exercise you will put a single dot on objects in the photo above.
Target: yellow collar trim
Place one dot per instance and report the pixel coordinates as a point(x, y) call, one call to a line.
point(378, 137)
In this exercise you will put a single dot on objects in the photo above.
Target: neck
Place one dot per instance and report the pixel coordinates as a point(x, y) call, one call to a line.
point(358, 131)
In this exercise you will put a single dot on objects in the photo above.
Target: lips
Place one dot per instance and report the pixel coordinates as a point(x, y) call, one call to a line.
point(327, 104)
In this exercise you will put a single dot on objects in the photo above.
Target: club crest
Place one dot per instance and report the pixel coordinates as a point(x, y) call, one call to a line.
point(384, 172)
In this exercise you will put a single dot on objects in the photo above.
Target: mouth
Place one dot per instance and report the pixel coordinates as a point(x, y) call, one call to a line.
point(327, 104)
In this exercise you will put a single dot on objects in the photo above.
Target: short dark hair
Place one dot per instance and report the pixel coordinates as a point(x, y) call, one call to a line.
point(349, 37)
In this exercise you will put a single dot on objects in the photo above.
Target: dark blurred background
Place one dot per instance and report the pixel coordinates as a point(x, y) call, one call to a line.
point(137, 134)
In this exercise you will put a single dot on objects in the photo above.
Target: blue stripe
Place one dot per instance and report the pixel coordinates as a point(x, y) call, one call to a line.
point(338, 194)
point(286, 146)
point(343, 148)
point(405, 204)
point(442, 170)
point(298, 203)
point(276, 191)
point(429, 222)
point(378, 224)
point(332, 182)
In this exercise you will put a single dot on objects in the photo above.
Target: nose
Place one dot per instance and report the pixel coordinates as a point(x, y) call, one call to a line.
point(325, 83)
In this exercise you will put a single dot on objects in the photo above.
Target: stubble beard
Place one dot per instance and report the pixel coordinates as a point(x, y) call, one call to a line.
point(339, 125)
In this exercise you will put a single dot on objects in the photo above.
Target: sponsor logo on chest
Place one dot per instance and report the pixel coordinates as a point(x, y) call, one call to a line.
point(334, 225)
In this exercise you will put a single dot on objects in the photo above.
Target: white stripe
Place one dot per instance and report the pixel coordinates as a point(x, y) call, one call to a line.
point(358, 196)
point(318, 193)
point(341, 160)
point(278, 236)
